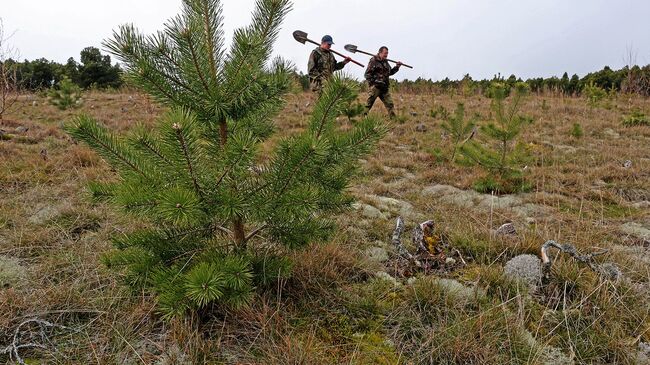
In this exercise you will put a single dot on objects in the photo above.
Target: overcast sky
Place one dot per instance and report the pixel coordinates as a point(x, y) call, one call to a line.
point(441, 38)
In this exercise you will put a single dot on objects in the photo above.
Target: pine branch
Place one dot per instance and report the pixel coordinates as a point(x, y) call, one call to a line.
point(144, 142)
point(188, 160)
point(267, 17)
point(255, 232)
point(197, 66)
point(211, 33)
point(86, 129)
point(330, 104)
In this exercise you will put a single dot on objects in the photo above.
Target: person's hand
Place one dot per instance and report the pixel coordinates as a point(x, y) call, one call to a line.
point(399, 64)
point(347, 60)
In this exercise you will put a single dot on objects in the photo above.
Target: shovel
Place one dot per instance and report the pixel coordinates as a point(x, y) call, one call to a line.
point(301, 37)
point(353, 49)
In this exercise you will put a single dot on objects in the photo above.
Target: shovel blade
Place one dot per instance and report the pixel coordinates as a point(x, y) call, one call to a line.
point(351, 48)
point(300, 36)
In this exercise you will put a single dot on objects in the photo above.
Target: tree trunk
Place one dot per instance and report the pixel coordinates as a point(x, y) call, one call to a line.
point(223, 132)
point(239, 234)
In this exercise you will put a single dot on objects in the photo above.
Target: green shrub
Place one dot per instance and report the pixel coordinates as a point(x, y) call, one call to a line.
point(637, 118)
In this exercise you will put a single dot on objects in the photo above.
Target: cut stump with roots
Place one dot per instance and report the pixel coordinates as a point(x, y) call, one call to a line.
point(433, 251)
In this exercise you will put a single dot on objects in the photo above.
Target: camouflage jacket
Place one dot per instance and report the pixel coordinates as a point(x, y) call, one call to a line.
point(378, 72)
point(322, 64)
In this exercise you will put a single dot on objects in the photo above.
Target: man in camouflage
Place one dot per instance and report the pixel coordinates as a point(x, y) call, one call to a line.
point(378, 76)
point(322, 64)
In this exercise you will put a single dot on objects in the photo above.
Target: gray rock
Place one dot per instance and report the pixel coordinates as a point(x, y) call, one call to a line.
point(528, 210)
point(21, 129)
point(485, 202)
point(460, 200)
point(382, 275)
point(174, 355)
point(526, 268)
point(507, 229)
point(545, 354)
point(452, 195)
point(45, 214)
point(391, 205)
point(369, 211)
point(566, 149)
point(641, 205)
point(635, 253)
point(439, 190)
point(421, 128)
point(12, 273)
point(611, 133)
point(610, 271)
point(600, 183)
point(462, 294)
point(450, 261)
point(499, 202)
point(377, 254)
point(636, 229)
point(643, 355)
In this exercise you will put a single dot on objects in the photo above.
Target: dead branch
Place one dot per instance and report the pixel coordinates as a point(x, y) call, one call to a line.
point(13, 349)
point(607, 270)
point(420, 232)
point(397, 241)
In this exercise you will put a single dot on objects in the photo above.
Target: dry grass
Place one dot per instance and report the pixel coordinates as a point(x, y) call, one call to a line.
point(331, 310)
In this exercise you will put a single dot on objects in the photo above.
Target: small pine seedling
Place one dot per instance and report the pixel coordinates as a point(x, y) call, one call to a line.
point(460, 130)
point(499, 154)
point(637, 118)
point(576, 131)
point(65, 95)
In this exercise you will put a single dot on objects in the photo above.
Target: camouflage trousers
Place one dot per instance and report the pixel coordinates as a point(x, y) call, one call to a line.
point(316, 85)
point(384, 95)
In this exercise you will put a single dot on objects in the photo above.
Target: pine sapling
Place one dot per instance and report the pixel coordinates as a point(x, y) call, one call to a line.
point(353, 110)
point(460, 130)
point(65, 95)
point(499, 154)
point(220, 212)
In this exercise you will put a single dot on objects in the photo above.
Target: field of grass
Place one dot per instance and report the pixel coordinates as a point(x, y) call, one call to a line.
point(335, 308)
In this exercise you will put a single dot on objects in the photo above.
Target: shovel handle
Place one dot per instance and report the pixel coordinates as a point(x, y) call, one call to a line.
point(336, 53)
point(389, 60)
point(351, 60)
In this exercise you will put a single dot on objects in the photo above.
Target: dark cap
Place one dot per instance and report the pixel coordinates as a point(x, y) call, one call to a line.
point(327, 39)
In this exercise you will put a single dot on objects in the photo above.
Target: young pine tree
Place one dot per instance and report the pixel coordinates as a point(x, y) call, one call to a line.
point(353, 110)
point(499, 154)
point(221, 211)
point(66, 95)
point(460, 130)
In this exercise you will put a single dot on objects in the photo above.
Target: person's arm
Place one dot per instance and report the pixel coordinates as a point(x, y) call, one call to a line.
point(311, 66)
point(340, 65)
point(394, 70)
point(369, 75)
